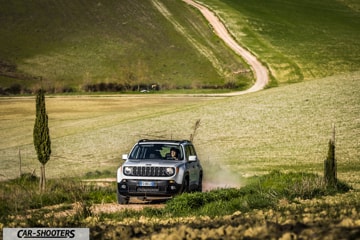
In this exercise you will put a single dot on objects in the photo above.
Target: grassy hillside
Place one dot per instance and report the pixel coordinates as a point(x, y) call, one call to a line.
point(73, 44)
point(298, 40)
point(130, 44)
point(285, 128)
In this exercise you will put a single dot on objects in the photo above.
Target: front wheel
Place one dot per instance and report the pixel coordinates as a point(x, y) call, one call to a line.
point(122, 199)
point(185, 185)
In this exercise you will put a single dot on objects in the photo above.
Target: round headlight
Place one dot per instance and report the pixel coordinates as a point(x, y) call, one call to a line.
point(169, 171)
point(128, 170)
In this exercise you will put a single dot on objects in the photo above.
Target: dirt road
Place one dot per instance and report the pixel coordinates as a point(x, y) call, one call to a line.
point(261, 73)
point(136, 203)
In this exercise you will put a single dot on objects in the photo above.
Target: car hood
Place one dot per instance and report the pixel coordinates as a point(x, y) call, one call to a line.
point(154, 163)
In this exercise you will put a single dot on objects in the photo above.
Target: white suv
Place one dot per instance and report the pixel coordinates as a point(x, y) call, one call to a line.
point(159, 169)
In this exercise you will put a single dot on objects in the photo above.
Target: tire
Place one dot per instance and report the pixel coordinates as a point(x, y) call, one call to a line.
point(122, 199)
point(199, 188)
point(185, 185)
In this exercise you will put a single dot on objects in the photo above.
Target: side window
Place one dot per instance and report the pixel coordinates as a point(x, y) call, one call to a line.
point(135, 152)
point(192, 150)
point(189, 150)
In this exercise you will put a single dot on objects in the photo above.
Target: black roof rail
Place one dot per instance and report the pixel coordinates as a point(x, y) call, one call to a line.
point(163, 140)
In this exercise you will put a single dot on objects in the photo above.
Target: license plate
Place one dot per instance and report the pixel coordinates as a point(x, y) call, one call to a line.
point(147, 184)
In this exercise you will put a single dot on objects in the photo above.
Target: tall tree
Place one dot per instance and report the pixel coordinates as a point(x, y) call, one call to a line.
point(41, 136)
point(330, 166)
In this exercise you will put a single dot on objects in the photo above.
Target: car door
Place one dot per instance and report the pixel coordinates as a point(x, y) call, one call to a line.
point(193, 167)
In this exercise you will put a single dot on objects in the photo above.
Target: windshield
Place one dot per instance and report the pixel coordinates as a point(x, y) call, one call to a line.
point(157, 151)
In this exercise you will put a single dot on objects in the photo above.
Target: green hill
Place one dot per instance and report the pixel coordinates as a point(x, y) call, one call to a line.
point(129, 45)
point(71, 44)
point(298, 40)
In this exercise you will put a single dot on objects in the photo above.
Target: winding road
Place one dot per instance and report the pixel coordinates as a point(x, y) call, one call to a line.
point(260, 71)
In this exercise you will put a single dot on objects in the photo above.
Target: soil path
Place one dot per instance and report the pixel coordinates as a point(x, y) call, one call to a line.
point(137, 203)
point(261, 73)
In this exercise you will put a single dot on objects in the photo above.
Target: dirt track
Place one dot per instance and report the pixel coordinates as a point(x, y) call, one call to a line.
point(137, 204)
point(261, 73)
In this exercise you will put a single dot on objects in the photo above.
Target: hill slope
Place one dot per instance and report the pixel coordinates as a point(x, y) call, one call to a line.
point(130, 43)
point(299, 40)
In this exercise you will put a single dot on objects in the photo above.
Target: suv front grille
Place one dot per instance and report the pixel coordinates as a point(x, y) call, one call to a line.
point(147, 171)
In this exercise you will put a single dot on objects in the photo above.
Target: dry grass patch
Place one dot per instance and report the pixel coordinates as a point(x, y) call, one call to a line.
point(87, 132)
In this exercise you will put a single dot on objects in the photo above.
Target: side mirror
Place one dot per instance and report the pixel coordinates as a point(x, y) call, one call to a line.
point(125, 157)
point(192, 158)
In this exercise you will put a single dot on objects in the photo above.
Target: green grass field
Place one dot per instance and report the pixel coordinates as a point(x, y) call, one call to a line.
point(285, 128)
point(71, 45)
point(272, 143)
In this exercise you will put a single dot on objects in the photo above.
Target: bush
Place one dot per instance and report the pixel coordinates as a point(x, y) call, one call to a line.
point(260, 193)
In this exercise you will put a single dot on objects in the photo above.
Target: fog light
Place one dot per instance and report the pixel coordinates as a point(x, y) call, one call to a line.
point(173, 187)
point(123, 186)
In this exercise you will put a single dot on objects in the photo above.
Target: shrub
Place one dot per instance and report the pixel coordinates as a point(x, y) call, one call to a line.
point(260, 193)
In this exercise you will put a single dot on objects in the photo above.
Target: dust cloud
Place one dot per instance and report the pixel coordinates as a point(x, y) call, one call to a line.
point(217, 177)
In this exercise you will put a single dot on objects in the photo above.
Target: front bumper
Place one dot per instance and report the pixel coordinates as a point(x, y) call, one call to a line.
point(156, 188)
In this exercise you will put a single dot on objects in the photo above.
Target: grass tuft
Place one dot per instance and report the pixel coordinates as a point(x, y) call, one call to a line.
point(21, 197)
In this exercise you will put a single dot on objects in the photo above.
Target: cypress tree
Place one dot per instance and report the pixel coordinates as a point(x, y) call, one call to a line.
point(41, 136)
point(330, 168)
